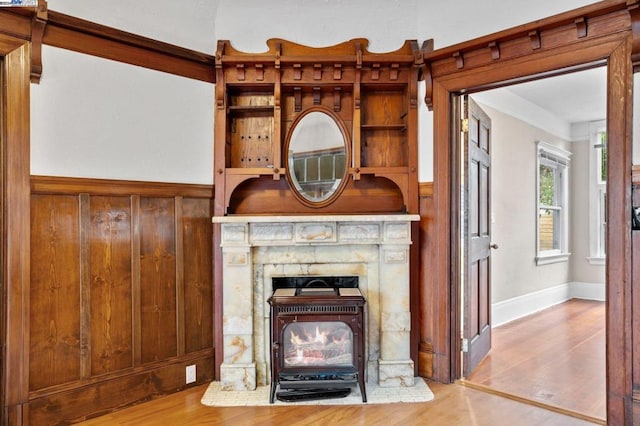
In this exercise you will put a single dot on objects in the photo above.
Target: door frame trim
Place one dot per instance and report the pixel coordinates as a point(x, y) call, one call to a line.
point(16, 69)
point(613, 48)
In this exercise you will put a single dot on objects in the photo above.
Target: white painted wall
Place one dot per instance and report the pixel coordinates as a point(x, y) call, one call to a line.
point(86, 110)
point(516, 125)
point(92, 117)
point(513, 202)
point(581, 269)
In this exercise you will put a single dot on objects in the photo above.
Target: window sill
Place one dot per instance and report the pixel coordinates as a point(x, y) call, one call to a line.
point(597, 260)
point(552, 258)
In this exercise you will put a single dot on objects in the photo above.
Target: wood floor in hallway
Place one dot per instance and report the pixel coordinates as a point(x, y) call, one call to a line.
point(556, 356)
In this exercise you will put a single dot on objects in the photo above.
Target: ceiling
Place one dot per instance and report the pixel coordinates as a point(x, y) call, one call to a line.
point(573, 98)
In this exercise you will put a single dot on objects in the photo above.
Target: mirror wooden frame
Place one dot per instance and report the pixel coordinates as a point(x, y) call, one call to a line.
point(347, 146)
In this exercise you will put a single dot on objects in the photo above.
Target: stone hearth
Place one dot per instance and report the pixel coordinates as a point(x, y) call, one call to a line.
point(373, 247)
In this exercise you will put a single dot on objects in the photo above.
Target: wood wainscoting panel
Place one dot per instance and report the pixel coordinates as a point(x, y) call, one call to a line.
point(121, 294)
point(198, 289)
point(54, 351)
point(157, 279)
point(427, 309)
point(110, 284)
point(81, 403)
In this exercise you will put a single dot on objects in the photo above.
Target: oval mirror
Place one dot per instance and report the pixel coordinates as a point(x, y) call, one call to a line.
point(317, 157)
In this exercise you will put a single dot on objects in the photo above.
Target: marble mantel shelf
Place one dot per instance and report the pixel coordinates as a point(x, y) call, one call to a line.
point(318, 218)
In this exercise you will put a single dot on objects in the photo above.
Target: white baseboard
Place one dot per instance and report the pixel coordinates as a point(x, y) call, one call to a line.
point(589, 291)
point(527, 304)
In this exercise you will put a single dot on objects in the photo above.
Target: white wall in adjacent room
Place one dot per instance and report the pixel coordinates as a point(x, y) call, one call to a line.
point(513, 203)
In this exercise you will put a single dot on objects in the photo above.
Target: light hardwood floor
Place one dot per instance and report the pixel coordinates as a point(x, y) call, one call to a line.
point(556, 356)
point(455, 404)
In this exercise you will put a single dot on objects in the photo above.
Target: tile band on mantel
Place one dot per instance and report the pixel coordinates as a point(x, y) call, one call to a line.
point(256, 247)
point(304, 230)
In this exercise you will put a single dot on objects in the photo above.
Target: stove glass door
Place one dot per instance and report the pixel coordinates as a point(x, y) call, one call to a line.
point(318, 343)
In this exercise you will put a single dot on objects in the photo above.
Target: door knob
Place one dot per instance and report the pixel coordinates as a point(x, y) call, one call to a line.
point(494, 246)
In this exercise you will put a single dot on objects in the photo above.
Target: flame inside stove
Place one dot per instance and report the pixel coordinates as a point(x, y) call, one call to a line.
point(319, 343)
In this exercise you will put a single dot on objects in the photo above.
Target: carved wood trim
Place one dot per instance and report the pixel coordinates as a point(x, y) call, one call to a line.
point(231, 183)
point(68, 32)
point(634, 13)
point(74, 186)
point(240, 74)
point(608, 39)
point(277, 89)
point(581, 27)
point(427, 47)
point(219, 73)
point(425, 189)
point(395, 70)
point(589, 22)
point(413, 88)
point(534, 36)
point(459, 59)
point(337, 104)
point(83, 36)
point(356, 90)
point(315, 58)
point(297, 98)
point(38, 25)
point(402, 182)
point(337, 71)
point(494, 46)
point(375, 71)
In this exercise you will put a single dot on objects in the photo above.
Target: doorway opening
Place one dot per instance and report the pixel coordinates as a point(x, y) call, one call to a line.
point(532, 172)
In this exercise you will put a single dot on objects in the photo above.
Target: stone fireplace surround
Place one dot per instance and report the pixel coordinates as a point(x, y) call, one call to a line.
point(257, 248)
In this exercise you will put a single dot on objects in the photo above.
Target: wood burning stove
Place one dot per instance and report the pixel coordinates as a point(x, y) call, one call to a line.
point(317, 337)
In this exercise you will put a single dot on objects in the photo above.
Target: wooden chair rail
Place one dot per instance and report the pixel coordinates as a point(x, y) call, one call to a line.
point(74, 186)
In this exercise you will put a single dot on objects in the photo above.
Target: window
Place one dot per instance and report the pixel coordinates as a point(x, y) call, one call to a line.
point(598, 195)
point(552, 205)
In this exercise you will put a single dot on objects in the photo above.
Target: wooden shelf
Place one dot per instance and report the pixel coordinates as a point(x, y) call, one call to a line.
point(260, 97)
point(253, 171)
point(401, 127)
point(250, 109)
point(383, 170)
